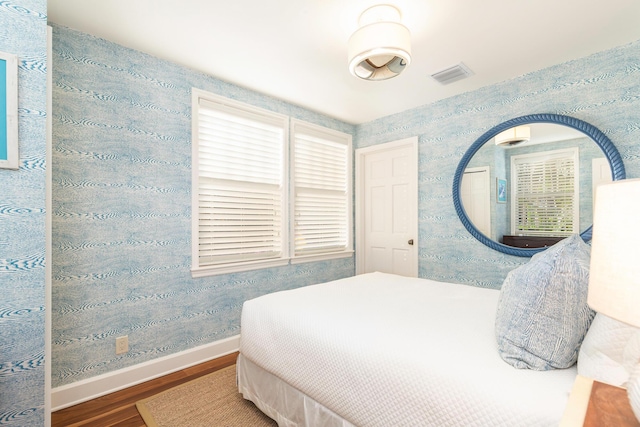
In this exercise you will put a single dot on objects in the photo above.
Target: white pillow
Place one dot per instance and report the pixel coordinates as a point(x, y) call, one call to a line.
point(610, 351)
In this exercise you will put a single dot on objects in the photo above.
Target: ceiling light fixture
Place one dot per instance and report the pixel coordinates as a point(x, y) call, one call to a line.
point(381, 48)
point(513, 136)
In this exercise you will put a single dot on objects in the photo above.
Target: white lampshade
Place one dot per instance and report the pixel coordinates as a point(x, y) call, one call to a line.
point(614, 277)
point(514, 135)
point(381, 48)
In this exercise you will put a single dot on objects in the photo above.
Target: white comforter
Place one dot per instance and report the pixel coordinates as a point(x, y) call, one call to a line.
point(385, 350)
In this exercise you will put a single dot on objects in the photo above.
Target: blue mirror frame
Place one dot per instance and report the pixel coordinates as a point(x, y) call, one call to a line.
point(605, 144)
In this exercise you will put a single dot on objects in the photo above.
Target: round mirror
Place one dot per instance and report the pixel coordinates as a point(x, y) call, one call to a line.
point(529, 182)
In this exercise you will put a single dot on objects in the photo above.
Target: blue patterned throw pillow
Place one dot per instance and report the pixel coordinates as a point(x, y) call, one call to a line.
point(542, 314)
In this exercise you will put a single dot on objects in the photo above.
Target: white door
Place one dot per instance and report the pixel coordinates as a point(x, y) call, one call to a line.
point(600, 174)
point(387, 208)
point(475, 193)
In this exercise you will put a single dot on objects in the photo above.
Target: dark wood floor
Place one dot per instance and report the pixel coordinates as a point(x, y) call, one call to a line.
point(119, 408)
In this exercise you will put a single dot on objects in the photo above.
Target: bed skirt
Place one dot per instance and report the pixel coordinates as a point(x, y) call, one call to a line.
point(283, 403)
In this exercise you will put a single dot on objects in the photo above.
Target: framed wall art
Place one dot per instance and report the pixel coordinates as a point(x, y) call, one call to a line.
point(9, 158)
point(501, 190)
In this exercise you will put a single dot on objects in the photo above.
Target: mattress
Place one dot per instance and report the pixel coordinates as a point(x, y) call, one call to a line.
point(379, 350)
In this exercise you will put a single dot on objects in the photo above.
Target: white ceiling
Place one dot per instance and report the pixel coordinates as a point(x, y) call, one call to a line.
point(296, 50)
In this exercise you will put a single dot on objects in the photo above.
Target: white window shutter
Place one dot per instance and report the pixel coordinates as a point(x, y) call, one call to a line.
point(240, 184)
point(546, 196)
point(321, 183)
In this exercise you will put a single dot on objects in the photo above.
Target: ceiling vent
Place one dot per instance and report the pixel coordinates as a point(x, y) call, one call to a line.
point(452, 74)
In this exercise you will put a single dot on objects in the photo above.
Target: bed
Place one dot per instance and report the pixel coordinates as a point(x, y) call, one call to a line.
point(384, 350)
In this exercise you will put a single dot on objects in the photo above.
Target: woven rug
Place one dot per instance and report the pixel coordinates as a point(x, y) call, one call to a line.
point(212, 400)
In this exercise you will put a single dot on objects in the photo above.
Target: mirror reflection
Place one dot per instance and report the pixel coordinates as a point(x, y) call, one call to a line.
point(533, 184)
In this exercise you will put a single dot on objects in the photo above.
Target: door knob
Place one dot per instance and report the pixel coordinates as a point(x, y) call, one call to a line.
point(410, 242)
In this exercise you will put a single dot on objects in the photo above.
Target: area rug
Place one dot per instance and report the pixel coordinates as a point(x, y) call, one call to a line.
point(212, 400)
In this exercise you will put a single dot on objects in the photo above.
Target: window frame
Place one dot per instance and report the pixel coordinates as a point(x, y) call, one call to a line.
point(287, 256)
point(335, 137)
point(198, 270)
point(567, 153)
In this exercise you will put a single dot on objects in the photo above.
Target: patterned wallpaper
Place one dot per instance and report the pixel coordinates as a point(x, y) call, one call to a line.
point(23, 32)
point(121, 198)
point(122, 212)
point(602, 89)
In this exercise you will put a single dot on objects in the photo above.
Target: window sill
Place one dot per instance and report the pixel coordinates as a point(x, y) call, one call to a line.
point(236, 268)
point(197, 272)
point(321, 257)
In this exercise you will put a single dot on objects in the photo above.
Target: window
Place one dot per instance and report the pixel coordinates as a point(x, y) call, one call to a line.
point(545, 193)
point(321, 190)
point(241, 184)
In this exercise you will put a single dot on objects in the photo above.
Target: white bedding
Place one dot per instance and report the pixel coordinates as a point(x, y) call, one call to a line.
point(385, 350)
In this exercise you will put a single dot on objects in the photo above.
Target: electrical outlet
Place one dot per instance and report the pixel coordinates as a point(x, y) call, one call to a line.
point(122, 344)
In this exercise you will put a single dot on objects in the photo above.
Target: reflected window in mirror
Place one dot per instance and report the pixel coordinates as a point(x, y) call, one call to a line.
point(545, 193)
point(549, 168)
point(550, 186)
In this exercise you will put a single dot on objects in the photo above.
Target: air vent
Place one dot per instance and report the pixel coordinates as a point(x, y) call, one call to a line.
point(452, 74)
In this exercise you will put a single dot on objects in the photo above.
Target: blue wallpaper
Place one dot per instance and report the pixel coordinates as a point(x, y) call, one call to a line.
point(121, 183)
point(122, 212)
point(23, 31)
point(602, 89)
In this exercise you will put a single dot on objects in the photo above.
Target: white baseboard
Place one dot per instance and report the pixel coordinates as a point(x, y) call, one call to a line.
point(81, 391)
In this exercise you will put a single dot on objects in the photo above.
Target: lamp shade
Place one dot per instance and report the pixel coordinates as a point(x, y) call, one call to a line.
point(381, 47)
point(614, 276)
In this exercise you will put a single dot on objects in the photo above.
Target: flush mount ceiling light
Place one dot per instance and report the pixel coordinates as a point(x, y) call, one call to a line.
point(513, 136)
point(381, 48)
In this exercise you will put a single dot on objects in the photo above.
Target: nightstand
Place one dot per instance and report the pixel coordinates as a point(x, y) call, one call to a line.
point(595, 404)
